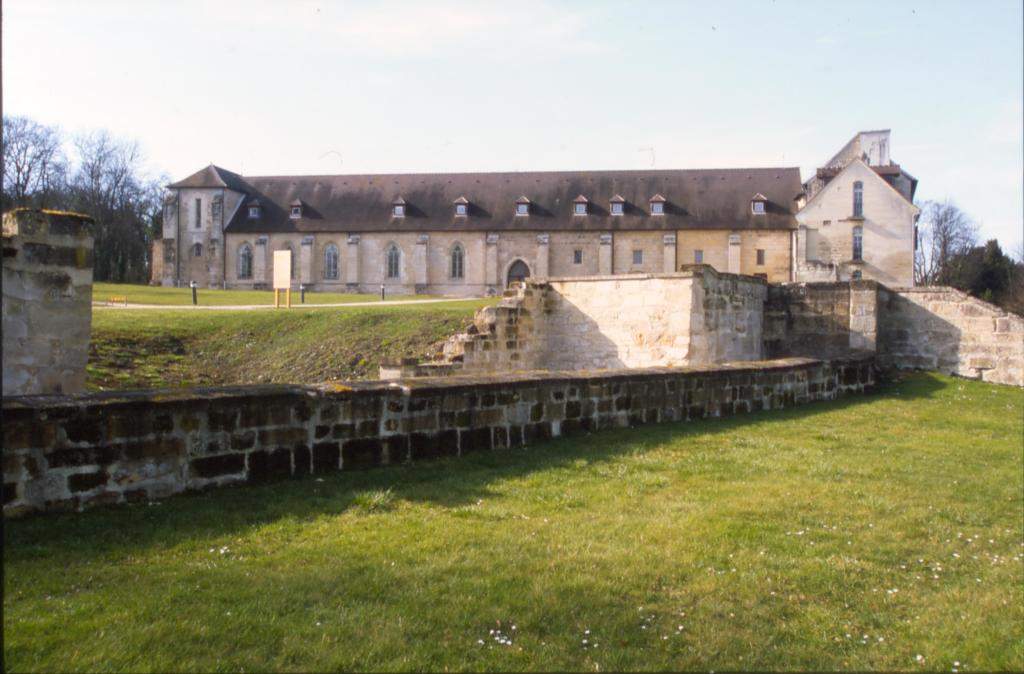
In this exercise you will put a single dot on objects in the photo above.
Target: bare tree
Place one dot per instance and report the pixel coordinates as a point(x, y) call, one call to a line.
point(35, 166)
point(945, 234)
point(110, 184)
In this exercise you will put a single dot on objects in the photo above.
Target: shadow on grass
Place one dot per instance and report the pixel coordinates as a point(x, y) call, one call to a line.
point(447, 482)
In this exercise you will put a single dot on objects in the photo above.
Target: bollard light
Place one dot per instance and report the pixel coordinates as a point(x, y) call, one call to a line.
point(302, 293)
point(195, 297)
point(381, 292)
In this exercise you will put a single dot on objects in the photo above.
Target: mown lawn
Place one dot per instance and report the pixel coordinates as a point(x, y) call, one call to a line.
point(146, 294)
point(170, 348)
point(880, 532)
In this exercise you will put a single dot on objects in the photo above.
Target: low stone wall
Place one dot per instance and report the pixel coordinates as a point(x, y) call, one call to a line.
point(47, 301)
point(67, 452)
point(822, 320)
point(939, 328)
point(697, 316)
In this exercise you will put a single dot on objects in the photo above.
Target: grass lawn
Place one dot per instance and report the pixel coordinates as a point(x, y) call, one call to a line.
point(146, 294)
point(158, 348)
point(878, 532)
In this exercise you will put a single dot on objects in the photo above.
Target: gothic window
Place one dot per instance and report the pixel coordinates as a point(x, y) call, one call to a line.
point(197, 250)
point(858, 243)
point(393, 259)
point(760, 257)
point(638, 257)
point(331, 262)
point(858, 199)
point(198, 218)
point(458, 262)
point(244, 261)
point(577, 256)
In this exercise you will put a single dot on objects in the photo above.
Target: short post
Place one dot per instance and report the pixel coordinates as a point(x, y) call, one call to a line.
point(302, 293)
point(381, 292)
point(288, 297)
point(277, 298)
point(195, 295)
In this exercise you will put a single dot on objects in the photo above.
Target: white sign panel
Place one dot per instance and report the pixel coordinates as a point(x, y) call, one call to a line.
point(282, 269)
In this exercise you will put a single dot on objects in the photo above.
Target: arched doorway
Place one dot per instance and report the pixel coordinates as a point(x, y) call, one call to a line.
point(518, 272)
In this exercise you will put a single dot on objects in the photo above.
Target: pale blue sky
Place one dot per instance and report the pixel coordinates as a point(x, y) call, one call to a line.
point(332, 87)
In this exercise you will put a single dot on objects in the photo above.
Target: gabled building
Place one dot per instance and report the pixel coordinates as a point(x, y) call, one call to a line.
point(860, 219)
point(471, 233)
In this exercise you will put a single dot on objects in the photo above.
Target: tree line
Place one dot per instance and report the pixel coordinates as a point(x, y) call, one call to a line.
point(950, 253)
point(93, 173)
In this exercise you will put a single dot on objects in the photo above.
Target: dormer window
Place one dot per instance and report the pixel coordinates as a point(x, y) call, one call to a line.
point(657, 205)
point(618, 205)
point(296, 211)
point(522, 206)
point(757, 204)
point(254, 211)
point(462, 207)
point(579, 205)
point(398, 208)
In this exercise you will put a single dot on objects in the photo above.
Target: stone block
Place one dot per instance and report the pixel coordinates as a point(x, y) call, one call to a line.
point(265, 465)
point(362, 453)
point(216, 466)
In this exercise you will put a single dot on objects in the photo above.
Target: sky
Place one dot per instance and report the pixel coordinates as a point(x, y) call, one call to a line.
point(294, 87)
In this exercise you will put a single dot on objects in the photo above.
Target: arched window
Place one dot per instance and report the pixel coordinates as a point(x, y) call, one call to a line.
point(331, 262)
point(858, 199)
point(394, 260)
point(197, 250)
point(245, 261)
point(458, 267)
point(858, 243)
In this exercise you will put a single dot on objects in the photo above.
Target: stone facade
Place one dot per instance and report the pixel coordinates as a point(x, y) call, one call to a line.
point(825, 240)
point(699, 316)
point(47, 301)
point(948, 330)
point(759, 222)
point(692, 317)
point(69, 452)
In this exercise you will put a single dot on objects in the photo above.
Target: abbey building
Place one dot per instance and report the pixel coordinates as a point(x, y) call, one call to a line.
point(472, 233)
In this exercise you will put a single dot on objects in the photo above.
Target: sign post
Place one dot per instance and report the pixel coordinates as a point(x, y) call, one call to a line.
point(282, 277)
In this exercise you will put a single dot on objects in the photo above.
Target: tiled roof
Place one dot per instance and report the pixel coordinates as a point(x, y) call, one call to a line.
point(694, 199)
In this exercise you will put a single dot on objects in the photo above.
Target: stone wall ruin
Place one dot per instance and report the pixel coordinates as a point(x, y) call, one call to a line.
point(47, 301)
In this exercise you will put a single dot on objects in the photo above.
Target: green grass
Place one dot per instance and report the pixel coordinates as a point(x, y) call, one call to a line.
point(851, 535)
point(161, 348)
point(145, 294)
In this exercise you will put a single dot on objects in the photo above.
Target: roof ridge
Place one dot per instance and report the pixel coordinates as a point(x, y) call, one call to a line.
point(518, 173)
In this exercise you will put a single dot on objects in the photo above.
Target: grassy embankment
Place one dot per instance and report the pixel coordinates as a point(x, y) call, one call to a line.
point(175, 347)
point(880, 532)
point(144, 294)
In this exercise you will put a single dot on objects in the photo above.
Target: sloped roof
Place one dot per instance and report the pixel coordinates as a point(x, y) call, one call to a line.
point(694, 199)
point(213, 176)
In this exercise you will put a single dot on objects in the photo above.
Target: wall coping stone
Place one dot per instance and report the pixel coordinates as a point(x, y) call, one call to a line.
point(55, 403)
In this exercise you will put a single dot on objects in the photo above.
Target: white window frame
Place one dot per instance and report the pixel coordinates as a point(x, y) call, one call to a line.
point(579, 209)
point(757, 207)
point(657, 208)
point(398, 211)
point(296, 212)
point(461, 210)
point(522, 210)
point(254, 212)
point(617, 208)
